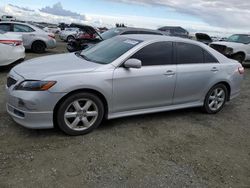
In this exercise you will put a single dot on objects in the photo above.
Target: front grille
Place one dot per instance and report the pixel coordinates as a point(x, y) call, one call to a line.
point(219, 48)
point(11, 81)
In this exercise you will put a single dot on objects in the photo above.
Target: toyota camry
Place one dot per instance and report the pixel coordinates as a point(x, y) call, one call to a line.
point(122, 76)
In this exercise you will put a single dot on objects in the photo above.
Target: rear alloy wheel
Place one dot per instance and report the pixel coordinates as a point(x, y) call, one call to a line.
point(239, 57)
point(215, 99)
point(80, 113)
point(38, 47)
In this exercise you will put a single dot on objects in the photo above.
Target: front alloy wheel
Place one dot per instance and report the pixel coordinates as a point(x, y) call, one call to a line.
point(80, 113)
point(215, 99)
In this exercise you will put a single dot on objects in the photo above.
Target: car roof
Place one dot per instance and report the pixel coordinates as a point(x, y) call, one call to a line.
point(148, 37)
point(11, 22)
point(123, 29)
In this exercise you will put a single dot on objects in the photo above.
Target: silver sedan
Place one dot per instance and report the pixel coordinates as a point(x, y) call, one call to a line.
point(122, 76)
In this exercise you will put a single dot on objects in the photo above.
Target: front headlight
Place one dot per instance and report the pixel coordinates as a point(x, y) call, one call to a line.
point(35, 85)
point(228, 51)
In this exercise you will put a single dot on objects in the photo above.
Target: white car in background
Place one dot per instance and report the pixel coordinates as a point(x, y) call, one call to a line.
point(236, 47)
point(52, 29)
point(68, 34)
point(33, 37)
point(8, 18)
point(11, 49)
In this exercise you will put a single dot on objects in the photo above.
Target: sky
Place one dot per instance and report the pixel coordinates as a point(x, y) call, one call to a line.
point(222, 16)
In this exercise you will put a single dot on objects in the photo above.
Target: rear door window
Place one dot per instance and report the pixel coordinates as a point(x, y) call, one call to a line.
point(208, 58)
point(189, 53)
point(193, 54)
point(5, 27)
point(22, 28)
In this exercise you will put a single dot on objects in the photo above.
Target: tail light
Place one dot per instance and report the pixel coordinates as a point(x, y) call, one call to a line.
point(11, 42)
point(51, 36)
point(241, 70)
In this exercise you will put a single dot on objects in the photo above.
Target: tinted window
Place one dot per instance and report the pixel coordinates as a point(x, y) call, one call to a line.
point(159, 53)
point(208, 58)
point(5, 27)
point(22, 28)
point(189, 53)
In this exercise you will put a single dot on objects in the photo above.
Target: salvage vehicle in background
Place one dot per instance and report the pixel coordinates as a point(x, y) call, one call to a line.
point(81, 44)
point(68, 34)
point(121, 76)
point(52, 29)
point(11, 49)
point(34, 38)
point(176, 31)
point(203, 37)
point(236, 47)
point(86, 36)
point(7, 18)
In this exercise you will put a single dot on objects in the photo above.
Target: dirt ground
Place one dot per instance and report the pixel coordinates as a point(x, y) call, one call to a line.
point(183, 148)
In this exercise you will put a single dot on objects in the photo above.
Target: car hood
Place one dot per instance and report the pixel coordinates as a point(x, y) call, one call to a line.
point(229, 44)
point(43, 67)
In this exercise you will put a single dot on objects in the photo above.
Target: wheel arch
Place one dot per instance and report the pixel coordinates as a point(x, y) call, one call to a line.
point(39, 40)
point(240, 52)
point(97, 93)
point(70, 36)
point(227, 86)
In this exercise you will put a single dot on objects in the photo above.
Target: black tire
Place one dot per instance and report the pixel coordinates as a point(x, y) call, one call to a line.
point(239, 57)
point(63, 124)
point(38, 47)
point(70, 37)
point(208, 101)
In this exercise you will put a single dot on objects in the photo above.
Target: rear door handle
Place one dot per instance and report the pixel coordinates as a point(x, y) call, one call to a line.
point(169, 73)
point(214, 69)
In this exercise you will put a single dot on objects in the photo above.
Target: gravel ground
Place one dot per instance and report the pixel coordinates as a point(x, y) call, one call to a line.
point(183, 148)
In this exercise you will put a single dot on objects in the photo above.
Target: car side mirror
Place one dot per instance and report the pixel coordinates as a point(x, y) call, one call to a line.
point(133, 63)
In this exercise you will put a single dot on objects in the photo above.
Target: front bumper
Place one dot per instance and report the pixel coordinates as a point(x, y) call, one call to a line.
point(32, 120)
point(31, 109)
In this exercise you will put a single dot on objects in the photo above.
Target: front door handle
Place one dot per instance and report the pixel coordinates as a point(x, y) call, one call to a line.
point(169, 73)
point(214, 69)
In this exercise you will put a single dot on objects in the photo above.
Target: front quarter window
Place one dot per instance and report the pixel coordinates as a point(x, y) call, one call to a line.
point(109, 50)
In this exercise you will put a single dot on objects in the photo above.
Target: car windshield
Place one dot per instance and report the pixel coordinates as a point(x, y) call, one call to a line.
point(109, 50)
point(110, 33)
point(245, 39)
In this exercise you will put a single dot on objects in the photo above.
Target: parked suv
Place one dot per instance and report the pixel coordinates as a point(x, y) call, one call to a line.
point(34, 38)
point(7, 18)
point(236, 47)
point(175, 31)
